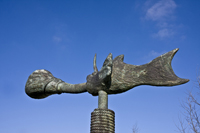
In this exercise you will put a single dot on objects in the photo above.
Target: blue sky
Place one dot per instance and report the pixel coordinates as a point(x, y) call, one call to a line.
point(63, 37)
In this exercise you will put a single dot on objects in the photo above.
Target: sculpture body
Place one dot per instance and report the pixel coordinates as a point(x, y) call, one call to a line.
point(117, 77)
point(114, 77)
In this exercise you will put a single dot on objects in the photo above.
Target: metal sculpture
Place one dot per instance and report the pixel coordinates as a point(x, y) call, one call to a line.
point(114, 77)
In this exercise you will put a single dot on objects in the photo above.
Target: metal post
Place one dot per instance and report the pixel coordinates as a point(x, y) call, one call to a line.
point(102, 118)
point(103, 100)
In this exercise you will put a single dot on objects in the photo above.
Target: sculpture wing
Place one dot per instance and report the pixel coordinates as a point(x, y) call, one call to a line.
point(158, 72)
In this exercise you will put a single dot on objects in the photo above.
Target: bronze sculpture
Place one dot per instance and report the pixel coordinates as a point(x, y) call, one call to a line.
point(114, 77)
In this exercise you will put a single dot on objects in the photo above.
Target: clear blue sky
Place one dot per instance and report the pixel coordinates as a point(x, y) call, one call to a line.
point(63, 37)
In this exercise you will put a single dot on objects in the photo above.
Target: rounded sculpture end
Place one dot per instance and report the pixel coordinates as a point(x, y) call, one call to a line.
point(36, 83)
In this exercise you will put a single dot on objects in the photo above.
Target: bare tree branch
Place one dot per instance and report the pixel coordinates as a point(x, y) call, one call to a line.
point(135, 128)
point(191, 113)
point(182, 128)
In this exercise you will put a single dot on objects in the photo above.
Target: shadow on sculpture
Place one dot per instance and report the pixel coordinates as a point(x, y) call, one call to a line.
point(114, 77)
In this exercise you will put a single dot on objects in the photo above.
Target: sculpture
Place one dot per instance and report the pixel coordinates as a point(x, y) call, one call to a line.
point(114, 77)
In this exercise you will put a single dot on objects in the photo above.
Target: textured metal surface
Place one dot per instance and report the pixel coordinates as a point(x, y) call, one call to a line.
point(103, 100)
point(117, 77)
point(41, 83)
point(37, 82)
point(114, 77)
point(102, 121)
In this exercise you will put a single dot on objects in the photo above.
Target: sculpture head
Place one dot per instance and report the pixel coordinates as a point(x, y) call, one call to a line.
point(100, 80)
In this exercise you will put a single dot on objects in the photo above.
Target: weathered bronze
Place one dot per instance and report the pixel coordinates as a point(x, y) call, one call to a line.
point(102, 121)
point(114, 77)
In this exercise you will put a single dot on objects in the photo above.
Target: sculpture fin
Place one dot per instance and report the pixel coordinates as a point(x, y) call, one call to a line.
point(158, 72)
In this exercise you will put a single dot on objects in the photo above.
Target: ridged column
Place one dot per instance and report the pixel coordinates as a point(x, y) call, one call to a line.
point(102, 121)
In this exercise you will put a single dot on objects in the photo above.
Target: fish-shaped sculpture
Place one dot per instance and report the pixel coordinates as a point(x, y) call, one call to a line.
point(114, 77)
